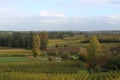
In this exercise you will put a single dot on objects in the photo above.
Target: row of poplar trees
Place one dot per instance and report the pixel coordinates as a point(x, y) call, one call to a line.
point(39, 42)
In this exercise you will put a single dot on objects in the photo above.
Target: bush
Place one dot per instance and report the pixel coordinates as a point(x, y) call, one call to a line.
point(74, 57)
point(98, 63)
point(83, 54)
point(44, 54)
point(66, 55)
point(56, 53)
point(113, 63)
point(50, 58)
point(74, 52)
point(97, 69)
point(53, 53)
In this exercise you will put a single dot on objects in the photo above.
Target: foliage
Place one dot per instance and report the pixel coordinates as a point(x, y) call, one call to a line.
point(94, 48)
point(94, 51)
point(74, 57)
point(35, 45)
point(66, 55)
point(53, 53)
point(50, 58)
point(115, 50)
point(16, 39)
point(44, 40)
point(83, 54)
point(113, 62)
point(53, 35)
point(105, 38)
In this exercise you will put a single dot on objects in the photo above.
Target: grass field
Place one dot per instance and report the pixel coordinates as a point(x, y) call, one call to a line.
point(23, 55)
point(6, 52)
point(19, 64)
point(14, 59)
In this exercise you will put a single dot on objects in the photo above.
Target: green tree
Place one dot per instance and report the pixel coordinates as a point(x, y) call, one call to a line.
point(35, 45)
point(44, 40)
point(94, 50)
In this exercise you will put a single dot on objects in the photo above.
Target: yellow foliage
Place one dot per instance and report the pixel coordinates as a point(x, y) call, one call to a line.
point(35, 45)
point(94, 47)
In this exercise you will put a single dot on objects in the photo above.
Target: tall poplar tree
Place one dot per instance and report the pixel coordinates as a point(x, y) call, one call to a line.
point(44, 40)
point(94, 50)
point(35, 45)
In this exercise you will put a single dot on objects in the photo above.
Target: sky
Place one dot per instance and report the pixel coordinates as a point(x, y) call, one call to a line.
point(60, 15)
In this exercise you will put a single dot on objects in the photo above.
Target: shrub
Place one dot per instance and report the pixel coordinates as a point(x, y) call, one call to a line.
point(53, 53)
point(56, 53)
point(50, 58)
point(66, 55)
point(44, 54)
point(83, 54)
point(74, 57)
point(113, 63)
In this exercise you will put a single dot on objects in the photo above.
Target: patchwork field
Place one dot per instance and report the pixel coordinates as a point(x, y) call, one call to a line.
point(19, 64)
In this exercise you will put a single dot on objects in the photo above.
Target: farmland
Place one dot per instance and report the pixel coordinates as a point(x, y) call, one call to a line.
point(59, 76)
point(19, 63)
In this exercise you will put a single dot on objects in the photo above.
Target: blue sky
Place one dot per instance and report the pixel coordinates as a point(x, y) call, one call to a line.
point(59, 15)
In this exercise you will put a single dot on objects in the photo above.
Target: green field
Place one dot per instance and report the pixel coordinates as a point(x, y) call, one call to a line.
point(14, 59)
point(19, 64)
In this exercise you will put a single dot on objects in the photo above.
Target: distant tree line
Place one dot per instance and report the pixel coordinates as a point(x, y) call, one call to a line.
point(104, 38)
point(21, 39)
point(24, 39)
point(104, 41)
point(61, 35)
point(16, 39)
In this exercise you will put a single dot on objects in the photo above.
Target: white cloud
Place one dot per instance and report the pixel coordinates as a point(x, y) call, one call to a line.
point(51, 14)
point(115, 16)
point(52, 20)
point(48, 23)
point(113, 20)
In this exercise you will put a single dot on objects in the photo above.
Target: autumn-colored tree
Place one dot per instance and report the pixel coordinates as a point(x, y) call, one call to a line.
point(94, 50)
point(44, 40)
point(35, 45)
point(83, 56)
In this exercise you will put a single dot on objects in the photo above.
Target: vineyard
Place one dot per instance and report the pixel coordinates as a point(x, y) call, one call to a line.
point(66, 70)
point(64, 59)
point(59, 76)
